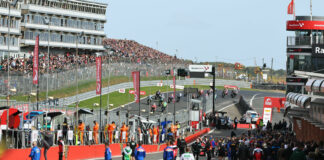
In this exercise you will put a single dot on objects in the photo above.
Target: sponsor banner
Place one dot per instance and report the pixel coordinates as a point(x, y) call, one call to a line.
point(271, 102)
point(265, 76)
point(318, 50)
point(35, 61)
point(177, 86)
point(98, 75)
point(136, 83)
point(267, 115)
point(142, 93)
point(305, 25)
point(200, 68)
point(122, 90)
point(159, 84)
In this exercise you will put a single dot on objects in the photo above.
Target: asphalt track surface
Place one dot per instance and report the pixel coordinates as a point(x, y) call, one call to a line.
point(254, 98)
point(182, 104)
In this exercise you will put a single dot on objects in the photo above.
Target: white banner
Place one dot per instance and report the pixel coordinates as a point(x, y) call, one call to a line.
point(267, 115)
point(122, 90)
point(200, 68)
point(159, 84)
point(177, 86)
point(90, 135)
point(70, 135)
point(123, 135)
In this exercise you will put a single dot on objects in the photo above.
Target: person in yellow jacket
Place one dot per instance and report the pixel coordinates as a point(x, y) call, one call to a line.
point(81, 131)
point(95, 132)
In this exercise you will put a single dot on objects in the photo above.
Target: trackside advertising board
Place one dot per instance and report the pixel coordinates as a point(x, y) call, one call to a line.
point(267, 115)
point(200, 68)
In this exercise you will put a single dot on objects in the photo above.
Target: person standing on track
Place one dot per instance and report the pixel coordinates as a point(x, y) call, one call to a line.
point(61, 148)
point(107, 152)
point(155, 135)
point(187, 155)
point(168, 152)
point(133, 147)
point(111, 129)
point(95, 132)
point(196, 148)
point(35, 152)
point(140, 153)
point(182, 145)
point(127, 152)
point(81, 131)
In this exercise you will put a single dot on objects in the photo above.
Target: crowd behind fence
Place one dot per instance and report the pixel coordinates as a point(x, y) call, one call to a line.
point(58, 80)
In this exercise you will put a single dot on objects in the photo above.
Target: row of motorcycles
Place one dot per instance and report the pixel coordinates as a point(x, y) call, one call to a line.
point(161, 100)
point(233, 93)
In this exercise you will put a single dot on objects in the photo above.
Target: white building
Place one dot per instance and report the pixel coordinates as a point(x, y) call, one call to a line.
point(67, 19)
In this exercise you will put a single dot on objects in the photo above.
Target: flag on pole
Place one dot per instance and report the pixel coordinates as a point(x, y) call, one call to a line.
point(136, 83)
point(98, 75)
point(35, 61)
point(291, 7)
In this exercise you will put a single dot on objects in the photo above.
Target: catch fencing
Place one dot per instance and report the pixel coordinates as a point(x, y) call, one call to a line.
point(58, 80)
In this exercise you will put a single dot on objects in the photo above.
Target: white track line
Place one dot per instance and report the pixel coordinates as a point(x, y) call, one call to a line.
point(251, 100)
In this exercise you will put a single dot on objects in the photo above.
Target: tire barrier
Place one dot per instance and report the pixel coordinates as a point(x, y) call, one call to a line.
point(243, 106)
point(89, 151)
point(269, 86)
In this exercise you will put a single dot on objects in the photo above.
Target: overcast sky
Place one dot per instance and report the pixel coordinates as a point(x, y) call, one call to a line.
point(208, 30)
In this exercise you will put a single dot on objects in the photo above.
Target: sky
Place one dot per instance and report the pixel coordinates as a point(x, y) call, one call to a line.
point(209, 30)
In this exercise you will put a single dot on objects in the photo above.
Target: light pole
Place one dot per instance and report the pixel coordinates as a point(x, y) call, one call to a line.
point(13, 4)
point(47, 22)
point(76, 75)
point(108, 48)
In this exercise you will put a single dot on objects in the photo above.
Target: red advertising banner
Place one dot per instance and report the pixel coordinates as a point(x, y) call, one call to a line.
point(274, 102)
point(142, 93)
point(98, 75)
point(305, 25)
point(35, 61)
point(136, 83)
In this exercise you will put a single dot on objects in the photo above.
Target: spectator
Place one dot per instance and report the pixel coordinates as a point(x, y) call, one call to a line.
point(168, 152)
point(298, 154)
point(140, 152)
point(127, 152)
point(61, 148)
point(107, 152)
point(35, 152)
point(187, 155)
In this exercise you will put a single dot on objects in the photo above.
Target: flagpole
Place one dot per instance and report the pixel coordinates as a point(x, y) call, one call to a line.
point(294, 10)
point(311, 10)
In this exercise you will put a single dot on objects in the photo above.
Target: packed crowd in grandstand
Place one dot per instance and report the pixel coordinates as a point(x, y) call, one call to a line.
point(128, 51)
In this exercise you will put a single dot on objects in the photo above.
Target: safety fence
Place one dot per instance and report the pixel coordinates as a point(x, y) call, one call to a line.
point(91, 151)
point(58, 80)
